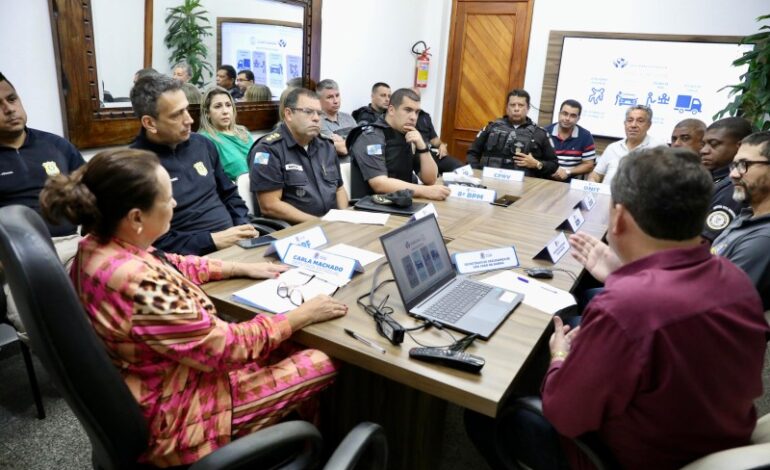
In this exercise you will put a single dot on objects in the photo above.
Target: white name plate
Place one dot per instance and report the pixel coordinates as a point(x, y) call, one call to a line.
point(555, 249)
point(486, 260)
point(502, 174)
point(589, 186)
point(312, 238)
point(473, 194)
point(573, 222)
point(587, 203)
point(424, 212)
point(331, 267)
point(466, 170)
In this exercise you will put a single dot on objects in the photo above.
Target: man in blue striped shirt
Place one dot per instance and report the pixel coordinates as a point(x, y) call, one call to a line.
point(573, 145)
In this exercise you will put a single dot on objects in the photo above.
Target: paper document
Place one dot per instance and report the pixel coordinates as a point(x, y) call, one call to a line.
point(536, 294)
point(457, 178)
point(296, 284)
point(359, 254)
point(356, 217)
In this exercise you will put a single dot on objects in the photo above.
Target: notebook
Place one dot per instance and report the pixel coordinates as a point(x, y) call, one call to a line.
point(431, 289)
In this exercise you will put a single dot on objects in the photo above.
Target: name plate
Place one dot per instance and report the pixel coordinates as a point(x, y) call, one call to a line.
point(573, 222)
point(589, 186)
point(502, 174)
point(466, 170)
point(312, 238)
point(587, 203)
point(473, 194)
point(333, 268)
point(486, 260)
point(555, 249)
point(424, 212)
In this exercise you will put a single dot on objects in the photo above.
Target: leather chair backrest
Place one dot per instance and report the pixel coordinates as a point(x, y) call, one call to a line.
point(64, 340)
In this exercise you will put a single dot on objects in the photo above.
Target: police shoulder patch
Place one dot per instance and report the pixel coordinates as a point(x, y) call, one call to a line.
point(261, 158)
point(718, 219)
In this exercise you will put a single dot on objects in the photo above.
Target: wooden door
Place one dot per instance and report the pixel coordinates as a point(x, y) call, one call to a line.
point(487, 58)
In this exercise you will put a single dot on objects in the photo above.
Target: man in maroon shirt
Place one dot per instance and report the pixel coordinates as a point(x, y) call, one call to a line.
point(668, 359)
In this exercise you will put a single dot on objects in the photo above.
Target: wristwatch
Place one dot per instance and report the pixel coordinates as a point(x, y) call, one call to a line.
point(539, 165)
point(425, 150)
point(568, 171)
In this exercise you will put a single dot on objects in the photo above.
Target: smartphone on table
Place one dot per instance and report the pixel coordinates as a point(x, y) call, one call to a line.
point(255, 242)
point(505, 201)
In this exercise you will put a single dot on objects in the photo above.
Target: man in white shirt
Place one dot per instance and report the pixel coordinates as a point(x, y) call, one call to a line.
point(637, 123)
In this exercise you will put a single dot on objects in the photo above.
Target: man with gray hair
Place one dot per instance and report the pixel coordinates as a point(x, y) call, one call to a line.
point(637, 124)
point(209, 215)
point(335, 124)
point(182, 72)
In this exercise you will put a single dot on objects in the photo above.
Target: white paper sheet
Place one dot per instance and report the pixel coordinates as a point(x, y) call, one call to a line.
point(264, 294)
point(359, 254)
point(536, 294)
point(356, 217)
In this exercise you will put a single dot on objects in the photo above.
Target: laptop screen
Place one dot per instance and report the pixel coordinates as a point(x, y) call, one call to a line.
point(418, 258)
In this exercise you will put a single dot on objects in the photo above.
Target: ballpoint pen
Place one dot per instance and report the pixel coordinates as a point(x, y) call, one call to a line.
point(371, 344)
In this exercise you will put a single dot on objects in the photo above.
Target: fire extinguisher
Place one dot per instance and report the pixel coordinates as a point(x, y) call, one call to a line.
point(422, 65)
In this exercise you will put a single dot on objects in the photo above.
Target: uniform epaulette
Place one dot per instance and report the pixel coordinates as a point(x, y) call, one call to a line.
point(274, 137)
point(367, 129)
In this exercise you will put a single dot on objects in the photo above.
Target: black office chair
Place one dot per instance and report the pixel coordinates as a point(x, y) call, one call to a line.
point(77, 361)
point(263, 224)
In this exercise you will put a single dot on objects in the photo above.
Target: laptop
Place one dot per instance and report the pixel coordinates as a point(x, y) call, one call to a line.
point(431, 289)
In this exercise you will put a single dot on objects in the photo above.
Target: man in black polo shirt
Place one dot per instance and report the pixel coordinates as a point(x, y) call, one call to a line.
point(389, 152)
point(27, 158)
point(226, 79)
point(294, 172)
point(209, 215)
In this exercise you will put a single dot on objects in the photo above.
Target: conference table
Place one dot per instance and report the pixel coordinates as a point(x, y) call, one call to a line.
point(411, 395)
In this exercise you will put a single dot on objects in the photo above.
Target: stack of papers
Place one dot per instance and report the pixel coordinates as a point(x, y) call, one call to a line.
point(536, 294)
point(363, 257)
point(264, 294)
point(356, 217)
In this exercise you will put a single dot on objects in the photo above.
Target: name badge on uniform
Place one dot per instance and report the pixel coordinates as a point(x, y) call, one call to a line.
point(472, 194)
point(261, 158)
point(555, 249)
point(294, 167)
point(485, 260)
point(311, 238)
point(587, 203)
point(503, 174)
point(374, 149)
point(573, 222)
point(589, 186)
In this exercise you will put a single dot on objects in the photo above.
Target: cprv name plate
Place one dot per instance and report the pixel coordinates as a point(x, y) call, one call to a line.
point(312, 238)
point(590, 186)
point(573, 222)
point(472, 194)
point(502, 174)
point(486, 260)
point(555, 249)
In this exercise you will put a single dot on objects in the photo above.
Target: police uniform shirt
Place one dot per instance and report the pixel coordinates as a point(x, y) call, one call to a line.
point(380, 150)
point(496, 145)
point(308, 178)
point(367, 114)
point(425, 127)
point(23, 172)
point(207, 201)
point(723, 208)
point(746, 242)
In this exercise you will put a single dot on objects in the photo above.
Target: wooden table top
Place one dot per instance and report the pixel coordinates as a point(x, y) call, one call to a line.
point(470, 225)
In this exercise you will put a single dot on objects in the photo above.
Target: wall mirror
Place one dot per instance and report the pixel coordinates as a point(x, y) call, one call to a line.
point(100, 44)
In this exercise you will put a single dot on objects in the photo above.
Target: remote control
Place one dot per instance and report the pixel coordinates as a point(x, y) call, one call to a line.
point(449, 358)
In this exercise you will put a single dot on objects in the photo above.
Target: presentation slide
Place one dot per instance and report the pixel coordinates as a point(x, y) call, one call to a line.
point(272, 52)
point(678, 80)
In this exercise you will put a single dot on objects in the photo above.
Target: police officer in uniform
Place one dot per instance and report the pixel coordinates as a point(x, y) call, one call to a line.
point(514, 142)
point(376, 109)
point(388, 153)
point(720, 144)
point(294, 172)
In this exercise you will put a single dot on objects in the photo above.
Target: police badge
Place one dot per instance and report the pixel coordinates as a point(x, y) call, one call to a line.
point(51, 169)
point(201, 168)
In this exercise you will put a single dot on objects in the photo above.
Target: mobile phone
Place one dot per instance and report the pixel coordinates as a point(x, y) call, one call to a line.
point(505, 201)
point(255, 242)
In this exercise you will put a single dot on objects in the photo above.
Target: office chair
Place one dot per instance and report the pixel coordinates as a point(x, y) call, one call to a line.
point(755, 456)
point(77, 361)
point(263, 224)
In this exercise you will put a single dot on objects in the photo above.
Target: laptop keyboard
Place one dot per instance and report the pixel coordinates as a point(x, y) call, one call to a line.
point(456, 303)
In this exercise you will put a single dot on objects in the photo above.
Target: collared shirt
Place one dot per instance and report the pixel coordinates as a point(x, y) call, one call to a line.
point(23, 172)
point(575, 149)
point(308, 178)
point(723, 208)
point(207, 201)
point(344, 122)
point(746, 242)
point(607, 164)
point(425, 127)
point(667, 363)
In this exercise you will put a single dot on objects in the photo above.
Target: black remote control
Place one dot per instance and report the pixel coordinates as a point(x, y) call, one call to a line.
point(449, 358)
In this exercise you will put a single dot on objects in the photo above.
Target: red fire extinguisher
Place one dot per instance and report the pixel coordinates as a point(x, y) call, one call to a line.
point(422, 65)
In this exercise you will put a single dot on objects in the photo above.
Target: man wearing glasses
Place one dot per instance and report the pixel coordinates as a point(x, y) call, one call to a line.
point(295, 173)
point(245, 80)
point(637, 124)
point(746, 242)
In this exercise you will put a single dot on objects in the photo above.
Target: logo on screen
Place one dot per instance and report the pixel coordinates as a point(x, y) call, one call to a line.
point(282, 43)
point(620, 62)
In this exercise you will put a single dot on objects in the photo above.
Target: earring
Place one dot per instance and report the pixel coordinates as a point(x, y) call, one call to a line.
point(139, 230)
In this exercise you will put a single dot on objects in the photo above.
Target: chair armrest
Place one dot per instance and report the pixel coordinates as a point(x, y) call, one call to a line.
point(748, 457)
point(265, 225)
point(297, 443)
point(761, 434)
point(366, 439)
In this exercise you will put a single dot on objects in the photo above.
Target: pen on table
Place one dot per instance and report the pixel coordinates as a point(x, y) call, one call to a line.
point(524, 280)
point(371, 344)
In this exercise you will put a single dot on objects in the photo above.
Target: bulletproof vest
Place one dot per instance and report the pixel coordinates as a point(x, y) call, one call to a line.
point(503, 141)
